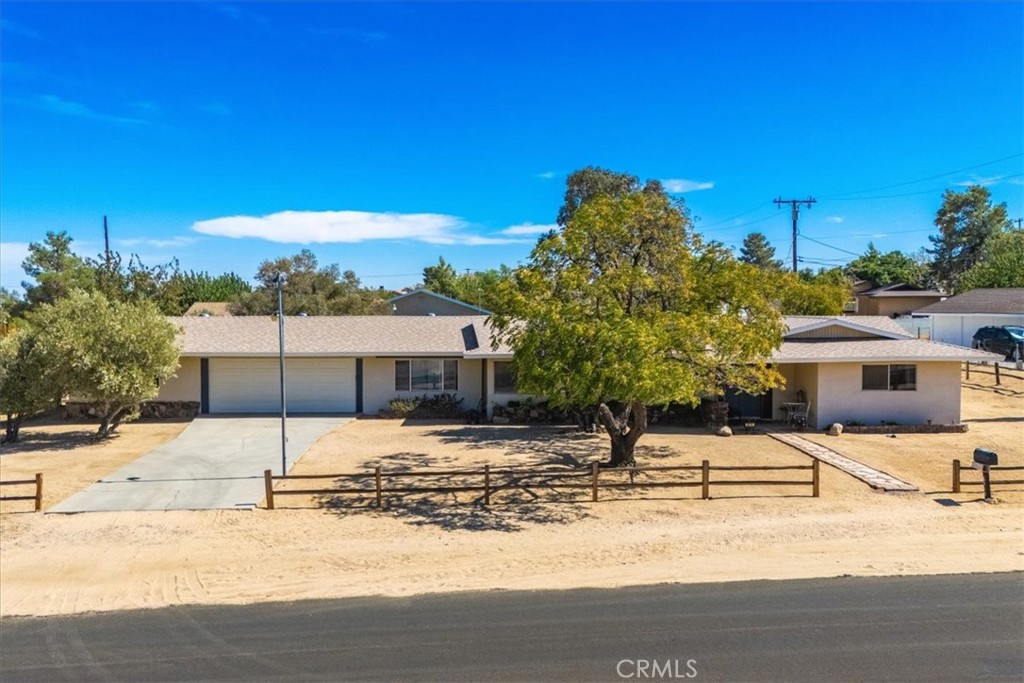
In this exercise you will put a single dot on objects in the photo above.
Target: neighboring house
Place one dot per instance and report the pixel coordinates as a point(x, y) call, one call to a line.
point(336, 364)
point(955, 320)
point(867, 369)
point(894, 300)
point(425, 302)
point(209, 308)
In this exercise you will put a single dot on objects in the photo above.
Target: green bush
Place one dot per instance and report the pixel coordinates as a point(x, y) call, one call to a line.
point(436, 406)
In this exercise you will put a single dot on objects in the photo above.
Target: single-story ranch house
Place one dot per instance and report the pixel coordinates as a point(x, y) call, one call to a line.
point(865, 368)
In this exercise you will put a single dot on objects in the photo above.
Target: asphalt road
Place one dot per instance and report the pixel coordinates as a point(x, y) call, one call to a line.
point(216, 463)
point(950, 628)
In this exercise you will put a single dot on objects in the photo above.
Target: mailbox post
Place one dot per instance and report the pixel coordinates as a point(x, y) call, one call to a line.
point(983, 459)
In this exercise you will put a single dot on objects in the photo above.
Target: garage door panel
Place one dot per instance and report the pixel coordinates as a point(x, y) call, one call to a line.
point(252, 385)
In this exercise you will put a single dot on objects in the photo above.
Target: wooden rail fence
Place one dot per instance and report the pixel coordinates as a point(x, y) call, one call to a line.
point(493, 480)
point(958, 480)
point(38, 497)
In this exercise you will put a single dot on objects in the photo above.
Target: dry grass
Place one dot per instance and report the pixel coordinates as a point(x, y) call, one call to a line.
point(995, 419)
point(60, 564)
point(70, 457)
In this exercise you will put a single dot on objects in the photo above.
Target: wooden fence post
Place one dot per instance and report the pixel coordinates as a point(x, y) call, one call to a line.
point(997, 374)
point(268, 484)
point(595, 468)
point(380, 492)
point(39, 491)
point(956, 476)
point(705, 480)
point(487, 484)
point(815, 478)
point(968, 364)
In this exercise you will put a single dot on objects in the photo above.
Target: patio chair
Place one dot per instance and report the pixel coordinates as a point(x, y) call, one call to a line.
point(799, 417)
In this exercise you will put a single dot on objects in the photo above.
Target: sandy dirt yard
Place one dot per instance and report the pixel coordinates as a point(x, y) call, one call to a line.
point(546, 538)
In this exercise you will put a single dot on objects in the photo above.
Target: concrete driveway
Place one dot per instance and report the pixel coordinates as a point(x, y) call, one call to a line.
point(216, 463)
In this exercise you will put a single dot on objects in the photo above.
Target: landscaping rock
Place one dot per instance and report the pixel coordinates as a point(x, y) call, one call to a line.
point(835, 430)
point(723, 431)
point(500, 420)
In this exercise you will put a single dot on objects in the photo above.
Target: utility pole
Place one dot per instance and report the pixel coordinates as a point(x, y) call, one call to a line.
point(106, 244)
point(795, 205)
point(1018, 221)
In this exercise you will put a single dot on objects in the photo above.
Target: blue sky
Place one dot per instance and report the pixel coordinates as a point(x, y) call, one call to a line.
point(383, 136)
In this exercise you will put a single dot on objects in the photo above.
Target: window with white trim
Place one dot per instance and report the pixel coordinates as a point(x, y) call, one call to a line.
point(889, 378)
point(426, 374)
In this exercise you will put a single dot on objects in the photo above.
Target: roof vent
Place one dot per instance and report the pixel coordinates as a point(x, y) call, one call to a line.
point(204, 314)
point(303, 314)
point(432, 315)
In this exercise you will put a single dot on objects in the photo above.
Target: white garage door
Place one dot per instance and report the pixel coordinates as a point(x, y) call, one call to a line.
point(253, 385)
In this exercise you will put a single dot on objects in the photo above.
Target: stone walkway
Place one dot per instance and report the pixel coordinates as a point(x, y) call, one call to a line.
point(874, 478)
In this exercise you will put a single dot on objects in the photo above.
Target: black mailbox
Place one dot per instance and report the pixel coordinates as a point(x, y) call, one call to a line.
point(983, 456)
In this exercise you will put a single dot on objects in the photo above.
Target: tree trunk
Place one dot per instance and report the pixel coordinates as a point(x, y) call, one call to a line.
point(12, 428)
point(624, 430)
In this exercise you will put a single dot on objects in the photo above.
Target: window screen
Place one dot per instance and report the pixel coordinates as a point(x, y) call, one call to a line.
point(504, 383)
point(426, 375)
point(451, 375)
point(875, 378)
point(401, 375)
point(902, 377)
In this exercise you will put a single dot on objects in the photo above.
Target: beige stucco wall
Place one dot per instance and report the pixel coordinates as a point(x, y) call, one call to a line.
point(185, 386)
point(502, 398)
point(798, 376)
point(379, 384)
point(841, 399)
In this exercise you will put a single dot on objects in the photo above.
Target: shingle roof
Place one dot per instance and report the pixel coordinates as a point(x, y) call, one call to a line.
point(860, 350)
point(1008, 300)
point(882, 323)
point(470, 308)
point(380, 335)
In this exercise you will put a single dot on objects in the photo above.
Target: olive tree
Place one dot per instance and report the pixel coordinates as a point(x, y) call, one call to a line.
point(27, 382)
point(110, 354)
point(626, 306)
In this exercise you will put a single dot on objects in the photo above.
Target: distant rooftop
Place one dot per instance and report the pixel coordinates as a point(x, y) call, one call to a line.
point(1009, 300)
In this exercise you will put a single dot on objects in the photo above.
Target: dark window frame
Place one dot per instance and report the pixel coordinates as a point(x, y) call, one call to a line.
point(898, 377)
point(447, 375)
point(511, 387)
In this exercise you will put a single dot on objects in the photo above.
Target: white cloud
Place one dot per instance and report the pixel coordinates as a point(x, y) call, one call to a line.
point(833, 219)
point(11, 256)
point(177, 241)
point(58, 105)
point(528, 229)
point(980, 180)
point(546, 175)
point(305, 227)
point(678, 185)
point(15, 28)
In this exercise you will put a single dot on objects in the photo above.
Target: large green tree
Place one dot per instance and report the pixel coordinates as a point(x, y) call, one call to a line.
point(590, 182)
point(890, 268)
point(625, 306)
point(185, 288)
point(758, 252)
point(442, 279)
point(1001, 263)
point(56, 270)
point(965, 221)
point(310, 289)
point(28, 382)
point(110, 354)
point(806, 293)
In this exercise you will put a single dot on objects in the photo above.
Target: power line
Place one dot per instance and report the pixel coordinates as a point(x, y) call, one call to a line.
point(826, 244)
point(795, 206)
point(726, 220)
point(905, 194)
point(933, 177)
